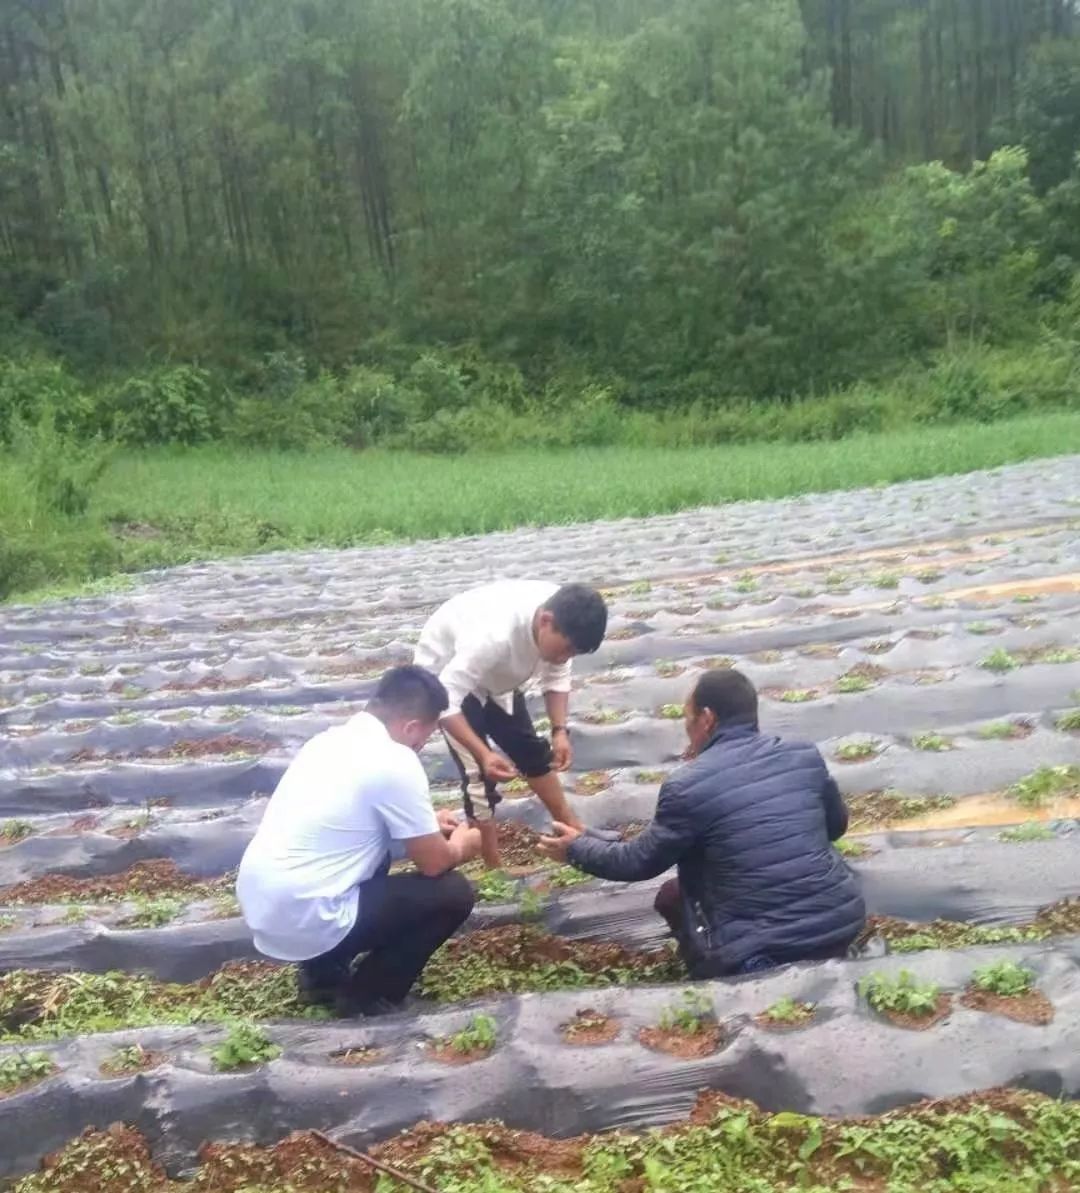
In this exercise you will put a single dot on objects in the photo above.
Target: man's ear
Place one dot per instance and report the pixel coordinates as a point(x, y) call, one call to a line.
point(546, 619)
point(711, 719)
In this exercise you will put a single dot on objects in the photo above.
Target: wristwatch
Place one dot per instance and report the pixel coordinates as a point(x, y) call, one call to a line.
point(559, 729)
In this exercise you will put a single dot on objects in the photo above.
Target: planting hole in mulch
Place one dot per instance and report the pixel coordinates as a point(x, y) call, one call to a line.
point(128, 1061)
point(589, 1027)
point(445, 1053)
point(1032, 1007)
point(685, 1045)
point(786, 1015)
point(358, 1056)
point(911, 1022)
point(592, 782)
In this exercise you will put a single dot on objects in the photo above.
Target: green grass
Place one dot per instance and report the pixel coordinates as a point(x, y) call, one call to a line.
point(213, 501)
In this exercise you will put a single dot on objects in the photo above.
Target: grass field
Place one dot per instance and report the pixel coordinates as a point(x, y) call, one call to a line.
point(183, 505)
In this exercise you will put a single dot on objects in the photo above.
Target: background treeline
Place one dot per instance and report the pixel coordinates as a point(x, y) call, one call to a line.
point(450, 224)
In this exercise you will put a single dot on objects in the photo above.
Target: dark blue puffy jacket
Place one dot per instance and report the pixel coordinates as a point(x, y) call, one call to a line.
point(750, 824)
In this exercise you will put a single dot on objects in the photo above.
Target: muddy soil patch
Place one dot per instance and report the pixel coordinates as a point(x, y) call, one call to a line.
point(589, 1027)
point(685, 1045)
point(1032, 1007)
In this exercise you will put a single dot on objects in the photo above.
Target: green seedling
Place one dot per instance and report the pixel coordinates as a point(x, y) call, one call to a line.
point(564, 876)
point(640, 588)
point(929, 576)
point(848, 684)
point(245, 1045)
point(667, 669)
point(24, 1067)
point(604, 716)
point(787, 1010)
point(848, 848)
point(933, 743)
point(1030, 831)
point(7, 922)
point(745, 583)
point(671, 712)
point(885, 580)
point(125, 718)
point(154, 912)
point(999, 661)
point(1045, 784)
point(1069, 722)
point(798, 695)
point(1000, 731)
point(531, 904)
point(689, 1015)
point(858, 751)
point(1058, 654)
point(493, 886)
point(74, 915)
point(1005, 978)
point(12, 831)
point(1026, 598)
point(479, 1035)
point(38, 698)
point(903, 994)
point(835, 579)
point(983, 627)
point(649, 777)
point(131, 1059)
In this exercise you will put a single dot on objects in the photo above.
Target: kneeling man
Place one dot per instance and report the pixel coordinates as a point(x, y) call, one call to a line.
point(749, 823)
point(314, 885)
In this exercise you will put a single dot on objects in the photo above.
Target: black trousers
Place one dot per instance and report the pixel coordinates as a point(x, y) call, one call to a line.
point(514, 734)
point(403, 920)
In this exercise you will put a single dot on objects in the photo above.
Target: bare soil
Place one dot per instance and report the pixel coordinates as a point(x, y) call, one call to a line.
point(1033, 1007)
point(683, 1044)
point(589, 1027)
point(357, 1057)
point(592, 782)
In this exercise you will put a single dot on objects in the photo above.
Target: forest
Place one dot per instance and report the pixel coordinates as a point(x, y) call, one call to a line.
point(449, 225)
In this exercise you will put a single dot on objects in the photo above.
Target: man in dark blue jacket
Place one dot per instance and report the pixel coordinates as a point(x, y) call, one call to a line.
point(749, 822)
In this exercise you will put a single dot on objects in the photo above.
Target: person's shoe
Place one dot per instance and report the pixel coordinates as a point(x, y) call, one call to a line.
point(352, 1006)
point(315, 995)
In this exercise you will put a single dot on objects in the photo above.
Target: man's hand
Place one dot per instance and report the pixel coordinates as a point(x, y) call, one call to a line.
point(447, 821)
point(465, 840)
point(556, 847)
point(496, 768)
point(562, 753)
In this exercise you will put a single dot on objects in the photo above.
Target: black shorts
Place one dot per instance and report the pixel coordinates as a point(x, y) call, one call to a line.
point(513, 733)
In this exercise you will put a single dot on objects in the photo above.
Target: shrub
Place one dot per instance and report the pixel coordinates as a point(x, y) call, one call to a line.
point(1045, 784)
point(31, 386)
point(169, 404)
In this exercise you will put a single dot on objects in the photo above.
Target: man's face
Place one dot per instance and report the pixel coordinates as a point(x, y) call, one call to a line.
point(699, 724)
point(554, 647)
point(413, 734)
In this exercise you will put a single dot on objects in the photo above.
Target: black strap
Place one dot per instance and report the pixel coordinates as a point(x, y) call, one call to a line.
point(490, 790)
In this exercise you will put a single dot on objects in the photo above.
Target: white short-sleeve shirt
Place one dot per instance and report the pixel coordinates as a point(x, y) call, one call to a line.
point(349, 793)
point(481, 643)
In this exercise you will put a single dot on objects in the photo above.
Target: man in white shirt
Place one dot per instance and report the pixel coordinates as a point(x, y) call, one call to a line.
point(314, 885)
point(486, 645)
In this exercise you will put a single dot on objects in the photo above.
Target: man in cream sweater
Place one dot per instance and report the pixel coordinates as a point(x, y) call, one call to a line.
point(486, 645)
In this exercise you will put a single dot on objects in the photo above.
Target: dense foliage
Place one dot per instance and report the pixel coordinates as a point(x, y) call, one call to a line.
point(413, 220)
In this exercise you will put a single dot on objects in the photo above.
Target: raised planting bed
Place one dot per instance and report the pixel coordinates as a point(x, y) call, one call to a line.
point(999, 1140)
point(158, 878)
point(519, 957)
point(905, 936)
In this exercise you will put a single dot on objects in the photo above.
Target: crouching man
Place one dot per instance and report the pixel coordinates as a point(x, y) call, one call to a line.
point(749, 823)
point(314, 885)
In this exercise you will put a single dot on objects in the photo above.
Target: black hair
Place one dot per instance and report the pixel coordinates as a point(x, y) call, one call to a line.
point(729, 695)
point(410, 691)
point(580, 615)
